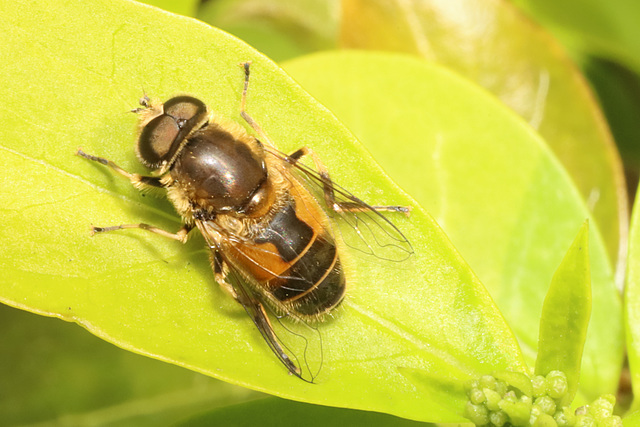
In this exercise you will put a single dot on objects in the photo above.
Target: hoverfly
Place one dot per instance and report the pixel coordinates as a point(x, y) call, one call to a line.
point(272, 244)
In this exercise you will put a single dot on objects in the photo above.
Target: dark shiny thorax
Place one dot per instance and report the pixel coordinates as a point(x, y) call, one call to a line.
point(218, 172)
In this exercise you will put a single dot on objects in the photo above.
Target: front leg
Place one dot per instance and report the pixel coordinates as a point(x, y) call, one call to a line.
point(139, 181)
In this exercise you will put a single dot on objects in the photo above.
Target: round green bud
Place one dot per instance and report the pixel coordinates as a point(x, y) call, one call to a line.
point(565, 417)
point(602, 407)
point(510, 396)
point(545, 420)
point(539, 384)
point(470, 385)
point(493, 399)
point(476, 396)
point(585, 421)
point(546, 404)
point(557, 385)
point(477, 414)
point(612, 421)
point(487, 381)
point(498, 418)
point(582, 410)
point(535, 413)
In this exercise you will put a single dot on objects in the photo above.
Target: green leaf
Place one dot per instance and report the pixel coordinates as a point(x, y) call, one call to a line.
point(492, 44)
point(88, 64)
point(53, 370)
point(565, 315)
point(485, 176)
point(281, 29)
point(618, 90)
point(605, 29)
point(632, 304)
point(283, 413)
point(517, 380)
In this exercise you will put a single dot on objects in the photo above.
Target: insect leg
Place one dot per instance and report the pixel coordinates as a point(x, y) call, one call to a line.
point(329, 194)
point(138, 181)
point(328, 187)
point(243, 111)
point(181, 235)
point(221, 271)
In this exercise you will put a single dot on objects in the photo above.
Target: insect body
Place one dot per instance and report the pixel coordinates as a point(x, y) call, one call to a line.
point(272, 245)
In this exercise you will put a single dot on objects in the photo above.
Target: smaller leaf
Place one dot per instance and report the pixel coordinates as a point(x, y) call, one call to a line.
point(516, 379)
point(565, 315)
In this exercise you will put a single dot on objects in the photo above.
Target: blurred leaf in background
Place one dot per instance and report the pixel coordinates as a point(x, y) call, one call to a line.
point(604, 39)
point(281, 29)
point(56, 371)
point(492, 44)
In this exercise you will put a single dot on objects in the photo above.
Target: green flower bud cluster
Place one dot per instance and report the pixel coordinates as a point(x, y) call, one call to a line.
point(599, 413)
point(509, 398)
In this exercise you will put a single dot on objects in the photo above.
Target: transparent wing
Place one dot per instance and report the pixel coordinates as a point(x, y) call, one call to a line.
point(363, 227)
point(295, 342)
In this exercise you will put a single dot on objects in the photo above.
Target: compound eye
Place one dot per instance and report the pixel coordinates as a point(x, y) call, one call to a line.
point(156, 140)
point(162, 137)
point(184, 109)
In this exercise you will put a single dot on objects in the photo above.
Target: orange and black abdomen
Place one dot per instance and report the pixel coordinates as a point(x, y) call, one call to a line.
point(295, 259)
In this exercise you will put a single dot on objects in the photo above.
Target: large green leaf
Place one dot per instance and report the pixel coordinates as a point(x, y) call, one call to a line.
point(485, 176)
point(87, 65)
point(491, 43)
